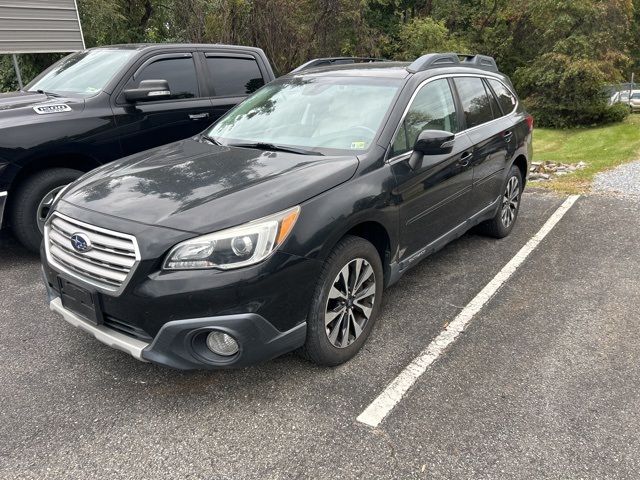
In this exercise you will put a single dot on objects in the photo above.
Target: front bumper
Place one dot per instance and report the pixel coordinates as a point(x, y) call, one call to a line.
point(114, 339)
point(3, 202)
point(165, 318)
point(180, 344)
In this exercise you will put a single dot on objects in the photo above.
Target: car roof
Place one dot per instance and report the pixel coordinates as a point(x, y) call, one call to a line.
point(161, 46)
point(389, 69)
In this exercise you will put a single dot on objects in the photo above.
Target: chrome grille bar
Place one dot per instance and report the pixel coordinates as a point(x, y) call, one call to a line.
point(108, 265)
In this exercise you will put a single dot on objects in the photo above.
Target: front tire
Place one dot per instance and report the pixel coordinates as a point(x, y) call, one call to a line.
point(502, 223)
point(345, 304)
point(32, 202)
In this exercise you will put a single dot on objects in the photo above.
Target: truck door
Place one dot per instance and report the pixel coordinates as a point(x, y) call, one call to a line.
point(149, 124)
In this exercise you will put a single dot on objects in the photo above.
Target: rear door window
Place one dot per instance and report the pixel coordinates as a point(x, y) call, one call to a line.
point(179, 72)
point(233, 76)
point(506, 98)
point(475, 101)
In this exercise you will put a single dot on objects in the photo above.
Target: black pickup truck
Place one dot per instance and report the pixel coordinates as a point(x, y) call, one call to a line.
point(105, 103)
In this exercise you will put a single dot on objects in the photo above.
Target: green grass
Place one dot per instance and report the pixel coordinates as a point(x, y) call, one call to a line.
point(601, 148)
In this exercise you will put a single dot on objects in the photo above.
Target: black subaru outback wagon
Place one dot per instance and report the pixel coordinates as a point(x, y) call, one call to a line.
point(279, 227)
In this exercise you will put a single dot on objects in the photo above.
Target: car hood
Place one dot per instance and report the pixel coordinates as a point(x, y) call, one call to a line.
point(198, 187)
point(20, 106)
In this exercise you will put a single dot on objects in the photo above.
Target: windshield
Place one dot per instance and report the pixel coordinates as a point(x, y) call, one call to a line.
point(635, 96)
point(83, 73)
point(342, 113)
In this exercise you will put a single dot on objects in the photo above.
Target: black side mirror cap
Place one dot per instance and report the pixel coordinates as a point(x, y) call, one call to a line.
point(148, 90)
point(431, 142)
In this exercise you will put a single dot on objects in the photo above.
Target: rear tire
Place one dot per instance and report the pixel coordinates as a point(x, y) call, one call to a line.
point(502, 223)
point(26, 203)
point(345, 304)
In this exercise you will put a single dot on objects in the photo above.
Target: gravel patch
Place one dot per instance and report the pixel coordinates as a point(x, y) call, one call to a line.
point(623, 179)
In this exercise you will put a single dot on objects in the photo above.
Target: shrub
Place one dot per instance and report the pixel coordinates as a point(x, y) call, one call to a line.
point(562, 91)
point(616, 113)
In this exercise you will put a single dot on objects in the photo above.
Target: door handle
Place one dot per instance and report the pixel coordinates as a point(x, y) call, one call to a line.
point(465, 159)
point(198, 116)
point(507, 136)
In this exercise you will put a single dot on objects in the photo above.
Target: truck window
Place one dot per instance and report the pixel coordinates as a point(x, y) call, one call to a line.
point(234, 76)
point(179, 72)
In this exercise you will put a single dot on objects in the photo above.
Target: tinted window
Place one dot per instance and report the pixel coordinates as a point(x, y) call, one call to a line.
point(179, 72)
point(495, 108)
point(433, 108)
point(475, 102)
point(234, 76)
point(506, 99)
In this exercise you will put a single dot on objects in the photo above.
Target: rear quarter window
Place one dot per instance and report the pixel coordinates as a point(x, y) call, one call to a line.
point(506, 98)
point(234, 76)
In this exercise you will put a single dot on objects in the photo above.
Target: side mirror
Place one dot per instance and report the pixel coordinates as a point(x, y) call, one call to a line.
point(431, 142)
point(148, 90)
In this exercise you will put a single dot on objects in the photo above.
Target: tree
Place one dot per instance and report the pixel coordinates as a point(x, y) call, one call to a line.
point(581, 47)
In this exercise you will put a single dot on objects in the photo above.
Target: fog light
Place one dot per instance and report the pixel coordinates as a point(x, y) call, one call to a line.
point(222, 344)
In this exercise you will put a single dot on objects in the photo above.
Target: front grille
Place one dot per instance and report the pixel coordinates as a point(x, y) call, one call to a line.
point(127, 329)
point(107, 265)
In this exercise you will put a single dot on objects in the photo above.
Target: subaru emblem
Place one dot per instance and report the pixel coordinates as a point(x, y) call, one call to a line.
point(80, 242)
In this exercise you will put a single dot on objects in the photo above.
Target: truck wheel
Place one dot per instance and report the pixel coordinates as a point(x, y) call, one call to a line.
point(345, 304)
point(32, 201)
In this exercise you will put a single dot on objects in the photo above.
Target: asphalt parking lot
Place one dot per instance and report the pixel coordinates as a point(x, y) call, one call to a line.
point(543, 383)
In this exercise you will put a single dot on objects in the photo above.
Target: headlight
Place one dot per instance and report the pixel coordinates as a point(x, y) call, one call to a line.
point(236, 247)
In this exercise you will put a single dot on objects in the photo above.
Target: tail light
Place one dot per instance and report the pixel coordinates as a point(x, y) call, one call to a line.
point(529, 120)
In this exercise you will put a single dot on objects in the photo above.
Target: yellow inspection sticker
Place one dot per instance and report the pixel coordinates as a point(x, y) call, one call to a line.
point(358, 145)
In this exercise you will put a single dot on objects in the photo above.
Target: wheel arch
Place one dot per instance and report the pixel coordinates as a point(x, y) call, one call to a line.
point(76, 161)
point(373, 231)
point(81, 162)
point(523, 166)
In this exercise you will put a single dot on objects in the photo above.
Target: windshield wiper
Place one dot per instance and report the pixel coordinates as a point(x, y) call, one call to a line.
point(274, 147)
point(49, 94)
point(210, 139)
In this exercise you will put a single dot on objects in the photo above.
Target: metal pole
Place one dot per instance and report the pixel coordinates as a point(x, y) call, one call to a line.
point(17, 68)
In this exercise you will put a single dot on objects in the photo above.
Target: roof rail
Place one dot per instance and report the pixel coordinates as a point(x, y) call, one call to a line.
point(483, 62)
point(324, 62)
point(435, 60)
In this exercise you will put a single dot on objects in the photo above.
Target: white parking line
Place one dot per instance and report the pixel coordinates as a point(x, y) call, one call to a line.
point(389, 398)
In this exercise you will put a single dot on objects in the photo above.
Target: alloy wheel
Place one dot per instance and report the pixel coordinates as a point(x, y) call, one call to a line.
point(510, 201)
point(350, 303)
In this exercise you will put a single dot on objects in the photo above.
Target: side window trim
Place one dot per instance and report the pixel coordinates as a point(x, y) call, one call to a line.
point(462, 120)
point(154, 58)
point(463, 126)
point(408, 107)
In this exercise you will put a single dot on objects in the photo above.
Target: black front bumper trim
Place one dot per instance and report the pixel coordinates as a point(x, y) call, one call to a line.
point(180, 343)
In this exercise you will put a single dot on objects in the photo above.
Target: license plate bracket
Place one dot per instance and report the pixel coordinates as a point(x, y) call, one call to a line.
point(79, 300)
